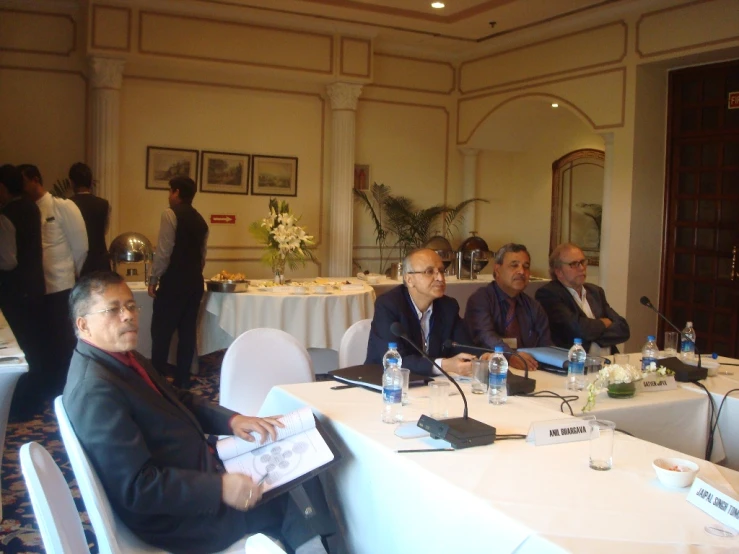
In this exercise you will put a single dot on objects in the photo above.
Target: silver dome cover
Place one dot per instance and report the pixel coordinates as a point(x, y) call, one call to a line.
point(131, 247)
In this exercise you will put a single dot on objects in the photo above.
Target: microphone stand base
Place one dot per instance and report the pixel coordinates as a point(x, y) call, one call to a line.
point(684, 373)
point(517, 385)
point(460, 432)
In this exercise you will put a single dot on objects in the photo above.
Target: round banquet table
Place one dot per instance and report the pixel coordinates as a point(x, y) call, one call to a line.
point(316, 320)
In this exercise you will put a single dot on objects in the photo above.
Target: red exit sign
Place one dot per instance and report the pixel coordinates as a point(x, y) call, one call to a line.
point(734, 100)
point(223, 219)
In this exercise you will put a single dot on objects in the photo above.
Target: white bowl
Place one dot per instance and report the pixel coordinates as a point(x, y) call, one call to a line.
point(299, 290)
point(671, 477)
point(373, 279)
point(320, 289)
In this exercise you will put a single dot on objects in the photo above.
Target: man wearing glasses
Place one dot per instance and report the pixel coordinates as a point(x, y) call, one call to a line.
point(148, 445)
point(428, 316)
point(579, 309)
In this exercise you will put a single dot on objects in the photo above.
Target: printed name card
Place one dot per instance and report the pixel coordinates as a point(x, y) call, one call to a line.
point(559, 431)
point(656, 384)
point(716, 503)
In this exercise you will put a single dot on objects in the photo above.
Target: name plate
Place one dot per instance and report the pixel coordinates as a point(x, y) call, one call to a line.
point(656, 384)
point(716, 503)
point(558, 431)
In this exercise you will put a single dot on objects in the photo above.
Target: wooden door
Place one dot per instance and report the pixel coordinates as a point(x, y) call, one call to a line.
point(699, 279)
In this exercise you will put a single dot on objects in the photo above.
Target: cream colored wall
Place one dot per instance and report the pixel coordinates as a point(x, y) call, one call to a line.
point(240, 120)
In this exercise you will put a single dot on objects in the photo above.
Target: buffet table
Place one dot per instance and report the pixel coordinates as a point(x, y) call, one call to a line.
point(10, 371)
point(510, 496)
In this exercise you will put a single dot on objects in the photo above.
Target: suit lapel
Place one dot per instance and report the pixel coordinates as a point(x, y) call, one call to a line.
point(414, 324)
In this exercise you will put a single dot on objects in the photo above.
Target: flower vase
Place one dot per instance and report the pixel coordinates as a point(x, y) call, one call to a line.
point(278, 267)
point(622, 390)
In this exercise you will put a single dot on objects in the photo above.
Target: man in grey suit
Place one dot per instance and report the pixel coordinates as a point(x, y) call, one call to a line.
point(147, 442)
point(577, 309)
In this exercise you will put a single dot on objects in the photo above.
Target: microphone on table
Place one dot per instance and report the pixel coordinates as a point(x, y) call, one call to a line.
point(515, 384)
point(683, 372)
point(460, 432)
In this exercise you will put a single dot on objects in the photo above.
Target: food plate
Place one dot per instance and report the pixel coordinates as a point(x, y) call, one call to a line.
point(352, 288)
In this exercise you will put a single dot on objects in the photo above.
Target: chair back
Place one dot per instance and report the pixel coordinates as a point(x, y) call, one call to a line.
point(258, 360)
point(353, 345)
point(56, 513)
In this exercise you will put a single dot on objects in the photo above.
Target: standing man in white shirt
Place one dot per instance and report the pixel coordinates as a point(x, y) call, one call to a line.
point(64, 245)
point(577, 309)
point(176, 282)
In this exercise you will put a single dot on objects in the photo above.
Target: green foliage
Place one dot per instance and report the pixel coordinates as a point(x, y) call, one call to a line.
point(62, 188)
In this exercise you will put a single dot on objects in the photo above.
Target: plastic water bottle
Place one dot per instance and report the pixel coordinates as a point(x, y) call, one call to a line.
point(687, 344)
point(497, 379)
point(576, 367)
point(392, 385)
point(649, 354)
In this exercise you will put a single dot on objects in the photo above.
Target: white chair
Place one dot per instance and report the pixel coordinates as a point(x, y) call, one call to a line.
point(56, 513)
point(262, 544)
point(113, 537)
point(353, 345)
point(258, 360)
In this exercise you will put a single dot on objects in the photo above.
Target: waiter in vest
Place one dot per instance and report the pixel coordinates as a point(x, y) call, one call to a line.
point(177, 280)
point(96, 213)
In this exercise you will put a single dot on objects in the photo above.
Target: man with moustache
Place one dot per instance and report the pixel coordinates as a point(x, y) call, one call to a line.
point(577, 309)
point(429, 317)
point(148, 446)
point(502, 314)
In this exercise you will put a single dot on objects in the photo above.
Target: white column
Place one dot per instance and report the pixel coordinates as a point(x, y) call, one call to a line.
point(469, 188)
point(341, 216)
point(608, 214)
point(106, 76)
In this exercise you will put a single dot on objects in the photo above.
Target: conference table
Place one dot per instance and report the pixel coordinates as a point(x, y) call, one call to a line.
point(12, 366)
point(511, 496)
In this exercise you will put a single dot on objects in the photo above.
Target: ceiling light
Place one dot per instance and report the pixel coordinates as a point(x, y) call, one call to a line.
point(437, 5)
point(555, 105)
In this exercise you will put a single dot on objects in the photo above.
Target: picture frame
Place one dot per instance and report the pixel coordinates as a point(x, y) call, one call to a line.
point(163, 164)
point(274, 176)
point(361, 177)
point(224, 172)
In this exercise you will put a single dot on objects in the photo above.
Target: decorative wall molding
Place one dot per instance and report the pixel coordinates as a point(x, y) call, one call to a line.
point(99, 37)
point(46, 23)
point(390, 59)
point(106, 72)
point(345, 44)
point(343, 95)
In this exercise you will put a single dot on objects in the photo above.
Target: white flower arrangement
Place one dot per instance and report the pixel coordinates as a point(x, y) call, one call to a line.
point(612, 374)
point(659, 370)
point(286, 242)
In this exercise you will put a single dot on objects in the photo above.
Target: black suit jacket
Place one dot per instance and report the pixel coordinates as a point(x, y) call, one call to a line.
point(95, 211)
point(567, 321)
point(395, 305)
point(150, 452)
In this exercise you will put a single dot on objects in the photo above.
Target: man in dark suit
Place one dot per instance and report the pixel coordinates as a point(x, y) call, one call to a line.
point(96, 213)
point(428, 316)
point(147, 442)
point(577, 309)
point(178, 274)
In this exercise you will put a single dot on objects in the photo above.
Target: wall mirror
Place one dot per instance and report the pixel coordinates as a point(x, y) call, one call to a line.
point(577, 201)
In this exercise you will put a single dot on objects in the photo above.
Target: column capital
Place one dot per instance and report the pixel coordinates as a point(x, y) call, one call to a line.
point(344, 95)
point(469, 151)
point(106, 72)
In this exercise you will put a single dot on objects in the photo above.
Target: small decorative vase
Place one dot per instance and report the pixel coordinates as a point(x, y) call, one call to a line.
point(278, 267)
point(279, 279)
point(622, 390)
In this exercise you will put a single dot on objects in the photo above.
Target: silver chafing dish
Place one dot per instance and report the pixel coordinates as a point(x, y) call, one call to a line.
point(443, 248)
point(132, 250)
point(472, 257)
point(227, 286)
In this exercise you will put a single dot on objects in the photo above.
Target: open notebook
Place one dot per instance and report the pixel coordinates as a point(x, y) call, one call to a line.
point(302, 450)
point(550, 358)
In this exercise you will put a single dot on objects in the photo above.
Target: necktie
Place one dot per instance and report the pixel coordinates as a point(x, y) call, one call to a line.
point(511, 328)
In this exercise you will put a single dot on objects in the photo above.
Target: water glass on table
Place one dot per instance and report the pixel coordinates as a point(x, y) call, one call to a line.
point(601, 444)
point(480, 376)
point(592, 366)
point(671, 344)
point(406, 374)
point(439, 399)
point(621, 359)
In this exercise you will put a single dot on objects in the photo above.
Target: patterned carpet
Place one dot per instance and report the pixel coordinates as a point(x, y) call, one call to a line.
point(19, 530)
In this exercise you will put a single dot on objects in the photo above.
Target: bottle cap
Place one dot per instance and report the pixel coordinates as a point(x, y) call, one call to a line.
point(578, 341)
point(499, 349)
point(650, 338)
point(393, 345)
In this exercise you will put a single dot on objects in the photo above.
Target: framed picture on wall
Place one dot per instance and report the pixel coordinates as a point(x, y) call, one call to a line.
point(274, 176)
point(162, 164)
point(224, 172)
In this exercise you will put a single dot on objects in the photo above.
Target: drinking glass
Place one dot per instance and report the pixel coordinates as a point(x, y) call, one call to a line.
point(621, 359)
point(406, 373)
point(601, 444)
point(671, 343)
point(592, 367)
point(479, 376)
point(439, 399)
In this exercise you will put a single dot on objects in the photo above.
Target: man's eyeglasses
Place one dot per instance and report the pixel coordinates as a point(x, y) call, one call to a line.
point(577, 263)
point(428, 272)
point(117, 312)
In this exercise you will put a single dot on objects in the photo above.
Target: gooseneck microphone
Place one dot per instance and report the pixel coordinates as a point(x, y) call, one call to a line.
point(683, 372)
point(460, 432)
point(515, 384)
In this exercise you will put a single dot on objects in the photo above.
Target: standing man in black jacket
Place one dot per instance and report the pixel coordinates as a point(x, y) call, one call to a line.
point(96, 213)
point(178, 273)
point(22, 286)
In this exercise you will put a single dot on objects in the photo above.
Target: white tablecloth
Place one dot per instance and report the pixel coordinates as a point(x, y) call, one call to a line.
point(316, 320)
point(9, 373)
point(507, 497)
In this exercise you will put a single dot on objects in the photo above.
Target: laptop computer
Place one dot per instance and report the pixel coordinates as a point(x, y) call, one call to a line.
point(370, 376)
